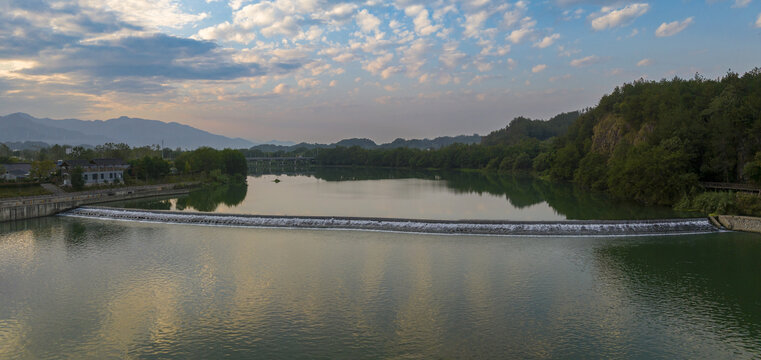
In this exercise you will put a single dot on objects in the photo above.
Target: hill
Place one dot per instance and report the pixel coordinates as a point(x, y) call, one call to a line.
point(368, 144)
point(655, 141)
point(20, 127)
point(522, 128)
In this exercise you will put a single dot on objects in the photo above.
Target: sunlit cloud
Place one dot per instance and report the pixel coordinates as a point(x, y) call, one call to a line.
point(673, 28)
point(295, 62)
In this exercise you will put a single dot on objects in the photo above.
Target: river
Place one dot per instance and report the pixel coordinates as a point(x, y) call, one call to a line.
point(90, 288)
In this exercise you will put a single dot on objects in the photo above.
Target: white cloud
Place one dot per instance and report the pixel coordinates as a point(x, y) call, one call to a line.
point(226, 32)
point(741, 3)
point(539, 68)
point(474, 22)
point(308, 83)
point(645, 62)
point(421, 20)
point(758, 22)
point(547, 41)
point(609, 17)
point(280, 89)
point(380, 63)
point(367, 22)
point(589, 60)
point(672, 28)
point(526, 29)
point(450, 56)
point(149, 13)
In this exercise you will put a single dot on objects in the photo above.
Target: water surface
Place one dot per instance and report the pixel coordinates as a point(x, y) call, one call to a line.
point(407, 194)
point(100, 289)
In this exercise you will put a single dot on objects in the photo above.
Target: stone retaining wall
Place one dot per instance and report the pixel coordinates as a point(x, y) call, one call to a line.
point(38, 206)
point(740, 223)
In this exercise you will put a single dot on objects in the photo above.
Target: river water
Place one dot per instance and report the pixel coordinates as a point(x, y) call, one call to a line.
point(407, 194)
point(87, 288)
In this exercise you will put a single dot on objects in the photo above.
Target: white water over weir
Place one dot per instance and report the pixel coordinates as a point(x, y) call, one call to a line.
point(479, 227)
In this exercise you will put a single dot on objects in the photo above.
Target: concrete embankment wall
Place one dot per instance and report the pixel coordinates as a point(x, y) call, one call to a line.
point(740, 223)
point(39, 206)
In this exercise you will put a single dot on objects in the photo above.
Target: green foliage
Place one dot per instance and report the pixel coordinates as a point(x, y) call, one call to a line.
point(149, 168)
point(752, 169)
point(565, 163)
point(651, 174)
point(522, 162)
point(42, 169)
point(591, 173)
point(221, 166)
point(724, 203)
point(77, 178)
point(522, 128)
point(234, 163)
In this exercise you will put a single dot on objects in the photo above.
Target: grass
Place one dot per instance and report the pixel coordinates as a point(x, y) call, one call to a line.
point(16, 191)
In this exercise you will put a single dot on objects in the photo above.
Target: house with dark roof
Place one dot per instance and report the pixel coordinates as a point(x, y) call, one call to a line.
point(95, 171)
point(15, 171)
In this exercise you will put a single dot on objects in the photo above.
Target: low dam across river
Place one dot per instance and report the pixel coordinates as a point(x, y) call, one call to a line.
point(475, 227)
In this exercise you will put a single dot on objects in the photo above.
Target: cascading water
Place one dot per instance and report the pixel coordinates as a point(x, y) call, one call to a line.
point(560, 228)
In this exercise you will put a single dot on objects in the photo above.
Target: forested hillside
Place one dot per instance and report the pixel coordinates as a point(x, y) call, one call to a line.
point(522, 128)
point(653, 141)
point(649, 141)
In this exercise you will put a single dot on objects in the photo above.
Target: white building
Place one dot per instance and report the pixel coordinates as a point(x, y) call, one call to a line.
point(96, 171)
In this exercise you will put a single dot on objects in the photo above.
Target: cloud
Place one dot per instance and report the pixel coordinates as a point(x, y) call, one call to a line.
point(741, 3)
point(379, 64)
point(149, 13)
point(673, 28)
point(367, 22)
point(609, 17)
point(474, 22)
point(159, 56)
point(758, 21)
point(451, 57)
point(227, 32)
point(644, 62)
point(547, 41)
point(585, 61)
point(539, 68)
point(526, 29)
point(421, 20)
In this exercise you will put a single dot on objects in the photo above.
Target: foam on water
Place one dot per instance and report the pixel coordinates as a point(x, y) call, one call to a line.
point(480, 227)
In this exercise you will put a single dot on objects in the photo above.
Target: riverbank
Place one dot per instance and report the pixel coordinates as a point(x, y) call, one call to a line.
point(29, 207)
point(738, 223)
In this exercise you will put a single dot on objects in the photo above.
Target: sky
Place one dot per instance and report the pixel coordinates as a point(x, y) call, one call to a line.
point(324, 70)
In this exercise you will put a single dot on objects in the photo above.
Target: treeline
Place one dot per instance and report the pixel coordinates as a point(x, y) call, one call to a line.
point(458, 156)
point(522, 128)
point(220, 165)
point(655, 141)
point(649, 141)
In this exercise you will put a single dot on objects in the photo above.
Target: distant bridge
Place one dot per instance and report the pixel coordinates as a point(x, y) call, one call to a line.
point(280, 161)
point(731, 186)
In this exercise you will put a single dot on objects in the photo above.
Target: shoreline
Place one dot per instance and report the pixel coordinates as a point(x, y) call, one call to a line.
point(29, 207)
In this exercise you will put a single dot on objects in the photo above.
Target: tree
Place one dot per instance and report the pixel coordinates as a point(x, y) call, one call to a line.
point(234, 162)
point(77, 178)
point(752, 169)
point(42, 169)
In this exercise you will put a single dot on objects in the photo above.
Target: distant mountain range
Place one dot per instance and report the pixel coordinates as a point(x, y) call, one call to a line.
point(22, 131)
point(436, 143)
point(20, 127)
